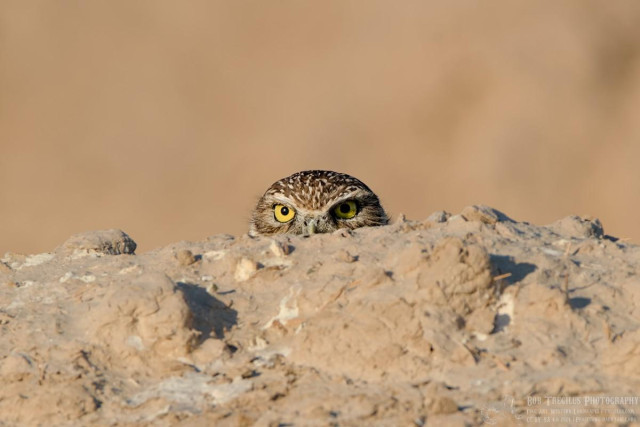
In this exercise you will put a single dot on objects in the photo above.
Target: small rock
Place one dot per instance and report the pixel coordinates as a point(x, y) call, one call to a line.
point(401, 218)
point(185, 257)
point(4, 268)
point(343, 232)
point(581, 227)
point(214, 255)
point(68, 275)
point(210, 349)
point(14, 260)
point(456, 219)
point(5, 318)
point(438, 217)
point(106, 242)
point(37, 259)
point(480, 321)
point(343, 255)
point(245, 269)
point(484, 214)
point(16, 367)
point(280, 249)
point(441, 405)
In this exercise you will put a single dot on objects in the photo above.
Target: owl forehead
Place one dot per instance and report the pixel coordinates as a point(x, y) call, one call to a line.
point(315, 189)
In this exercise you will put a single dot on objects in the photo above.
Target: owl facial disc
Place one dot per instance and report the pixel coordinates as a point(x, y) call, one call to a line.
point(316, 201)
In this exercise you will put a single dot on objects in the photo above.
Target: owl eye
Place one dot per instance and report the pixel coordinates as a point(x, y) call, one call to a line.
point(346, 210)
point(283, 213)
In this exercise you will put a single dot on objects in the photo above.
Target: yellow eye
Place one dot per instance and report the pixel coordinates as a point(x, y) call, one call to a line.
point(283, 213)
point(346, 210)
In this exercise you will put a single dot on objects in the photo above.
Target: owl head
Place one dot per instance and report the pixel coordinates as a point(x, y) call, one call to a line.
point(316, 201)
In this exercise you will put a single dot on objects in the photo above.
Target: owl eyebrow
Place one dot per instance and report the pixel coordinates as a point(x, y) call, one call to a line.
point(347, 193)
point(281, 198)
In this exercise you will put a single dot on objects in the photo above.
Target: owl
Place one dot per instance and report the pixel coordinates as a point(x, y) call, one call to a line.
point(316, 201)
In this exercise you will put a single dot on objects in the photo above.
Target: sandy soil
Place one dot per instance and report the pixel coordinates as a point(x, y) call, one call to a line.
point(456, 319)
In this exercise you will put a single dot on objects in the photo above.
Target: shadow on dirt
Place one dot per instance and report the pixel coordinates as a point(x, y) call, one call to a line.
point(210, 315)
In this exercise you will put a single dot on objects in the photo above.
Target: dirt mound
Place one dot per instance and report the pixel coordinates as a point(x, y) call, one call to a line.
point(459, 319)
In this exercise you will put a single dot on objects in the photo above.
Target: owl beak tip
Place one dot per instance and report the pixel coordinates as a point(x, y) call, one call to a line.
point(311, 227)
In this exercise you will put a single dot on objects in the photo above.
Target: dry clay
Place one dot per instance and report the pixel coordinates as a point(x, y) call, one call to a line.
point(417, 323)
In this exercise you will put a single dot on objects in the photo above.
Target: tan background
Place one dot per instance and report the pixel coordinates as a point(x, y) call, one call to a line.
point(169, 119)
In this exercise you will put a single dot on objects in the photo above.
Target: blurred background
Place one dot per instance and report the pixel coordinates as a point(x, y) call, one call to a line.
point(170, 119)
